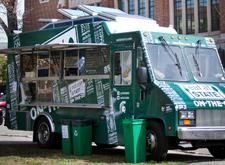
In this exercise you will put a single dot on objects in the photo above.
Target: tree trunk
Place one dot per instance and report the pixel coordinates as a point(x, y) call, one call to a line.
point(11, 14)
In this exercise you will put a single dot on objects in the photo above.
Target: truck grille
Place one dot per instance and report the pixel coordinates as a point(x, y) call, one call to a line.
point(210, 118)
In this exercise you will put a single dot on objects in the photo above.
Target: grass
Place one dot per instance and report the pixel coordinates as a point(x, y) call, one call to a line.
point(30, 154)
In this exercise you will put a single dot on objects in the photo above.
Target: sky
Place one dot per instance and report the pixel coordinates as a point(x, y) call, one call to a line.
point(3, 36)
point(20, 12)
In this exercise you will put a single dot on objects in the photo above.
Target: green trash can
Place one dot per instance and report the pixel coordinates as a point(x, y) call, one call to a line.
point(134, 140)
point(82, 137)
point(66, 137)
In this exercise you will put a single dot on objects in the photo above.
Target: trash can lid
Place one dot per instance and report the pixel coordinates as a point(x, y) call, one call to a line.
point(81, 122)
point(134, 121)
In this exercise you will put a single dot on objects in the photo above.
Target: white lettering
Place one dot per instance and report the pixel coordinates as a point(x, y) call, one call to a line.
point(202, 91)
point(33, 113)
point(77, 90)
point(40, 110)
point(208, 103)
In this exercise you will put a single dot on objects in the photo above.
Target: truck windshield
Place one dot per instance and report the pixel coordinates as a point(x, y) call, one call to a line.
point(205, 65)
point(168, 62)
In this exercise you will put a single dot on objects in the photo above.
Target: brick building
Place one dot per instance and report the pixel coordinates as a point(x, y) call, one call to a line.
point(158, 10)
point(39, 12)
point(198, 17)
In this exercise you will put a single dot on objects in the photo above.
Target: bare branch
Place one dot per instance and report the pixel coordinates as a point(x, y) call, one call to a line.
point(11, 14)
point(2, 23)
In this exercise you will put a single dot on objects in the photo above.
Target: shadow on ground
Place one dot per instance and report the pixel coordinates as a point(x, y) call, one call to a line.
point(100, 155)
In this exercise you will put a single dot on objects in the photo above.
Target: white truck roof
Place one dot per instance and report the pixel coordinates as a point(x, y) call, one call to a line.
point(117, 21)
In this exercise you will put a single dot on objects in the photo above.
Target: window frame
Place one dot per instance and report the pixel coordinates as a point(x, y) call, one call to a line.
point(178, 18)
point(129, 71)
point(215, 18)
point(190, 29)
point(121, 5)
point(141, 7)
point(151, 12)
point(202, 15)
point(131, 6)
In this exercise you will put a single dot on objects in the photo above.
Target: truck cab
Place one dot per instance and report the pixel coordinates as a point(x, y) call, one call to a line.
point(185, 92)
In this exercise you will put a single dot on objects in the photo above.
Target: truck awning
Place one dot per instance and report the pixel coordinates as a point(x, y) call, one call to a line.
point(59, 46)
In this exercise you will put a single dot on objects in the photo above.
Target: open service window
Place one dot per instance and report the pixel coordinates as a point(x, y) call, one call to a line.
point(122, 68)
point(28, 66)
point(44, 92)
point(43, 64)
point(55, 63)
point(97, 61)
point(71, 62)
point(38, 71)
point(86, 61)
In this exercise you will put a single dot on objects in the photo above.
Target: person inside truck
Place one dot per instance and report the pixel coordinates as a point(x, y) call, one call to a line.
point(126, 78)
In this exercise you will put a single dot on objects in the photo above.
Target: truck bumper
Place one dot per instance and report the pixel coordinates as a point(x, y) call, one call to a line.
point(201, 133)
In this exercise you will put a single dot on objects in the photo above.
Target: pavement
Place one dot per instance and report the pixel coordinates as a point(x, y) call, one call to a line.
point(7, 135)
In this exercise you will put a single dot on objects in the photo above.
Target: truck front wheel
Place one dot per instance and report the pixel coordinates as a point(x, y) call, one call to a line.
point(217, 152)
point(156, 141)
point(44, 134)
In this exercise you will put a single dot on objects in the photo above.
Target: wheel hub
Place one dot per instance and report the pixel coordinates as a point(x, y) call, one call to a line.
point(151, 141)
point(43, 133)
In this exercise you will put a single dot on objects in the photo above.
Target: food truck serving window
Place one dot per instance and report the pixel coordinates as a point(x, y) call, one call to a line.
point(35, 68)
point(122, 67)
point(28, 66)
point(42, 70)
point(55, 63)
point(71, 63)
point(91, 61)
point(43, 64)
point(204, 64)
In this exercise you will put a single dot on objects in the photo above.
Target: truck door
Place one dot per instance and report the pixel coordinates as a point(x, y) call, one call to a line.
point(122, 78)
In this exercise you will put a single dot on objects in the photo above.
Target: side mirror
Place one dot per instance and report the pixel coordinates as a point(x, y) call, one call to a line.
point(142, 75)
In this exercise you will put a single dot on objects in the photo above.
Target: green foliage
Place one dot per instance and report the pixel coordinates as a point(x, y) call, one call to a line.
point(3, 65)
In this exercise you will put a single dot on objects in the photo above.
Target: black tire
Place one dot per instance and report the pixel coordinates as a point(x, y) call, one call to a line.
point(218, 152)
point(156, 141)
point(44, 135)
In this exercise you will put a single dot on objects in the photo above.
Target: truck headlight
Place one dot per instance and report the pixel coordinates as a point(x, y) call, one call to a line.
point(186, 118)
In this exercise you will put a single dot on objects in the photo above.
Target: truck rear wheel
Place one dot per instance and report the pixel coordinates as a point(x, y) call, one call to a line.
point(156, 141)
point(44, 134)
point(217, 152)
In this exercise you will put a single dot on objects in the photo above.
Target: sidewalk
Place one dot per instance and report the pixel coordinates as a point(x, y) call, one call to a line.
point(14, 135)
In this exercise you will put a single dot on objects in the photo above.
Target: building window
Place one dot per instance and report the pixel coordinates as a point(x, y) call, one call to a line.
point(202, 14)
point(121, 5)
point(151, 8)
point(141, 7)
point(178, 15)
point(190, 17)
point(215, 15)
point(131, 7)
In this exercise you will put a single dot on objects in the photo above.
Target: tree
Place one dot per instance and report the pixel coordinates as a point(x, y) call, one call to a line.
point(3, 68)
point(12, 25)
point(11, 6)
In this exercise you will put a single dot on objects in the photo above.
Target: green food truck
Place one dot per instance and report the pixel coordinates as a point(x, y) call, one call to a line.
point(107, 66)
